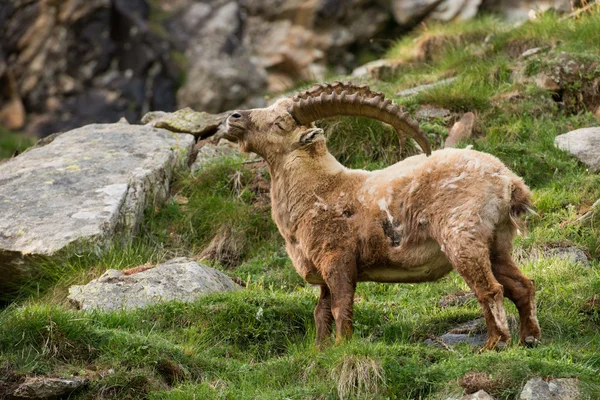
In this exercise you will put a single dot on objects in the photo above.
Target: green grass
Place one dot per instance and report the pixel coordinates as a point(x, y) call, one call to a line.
point(258, 343)
point(11, 142)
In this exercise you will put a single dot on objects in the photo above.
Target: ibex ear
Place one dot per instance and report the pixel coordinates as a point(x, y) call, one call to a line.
point(310, 135)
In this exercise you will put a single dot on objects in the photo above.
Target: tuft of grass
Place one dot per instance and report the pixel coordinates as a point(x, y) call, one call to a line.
point(13, 141)
point(358, 377)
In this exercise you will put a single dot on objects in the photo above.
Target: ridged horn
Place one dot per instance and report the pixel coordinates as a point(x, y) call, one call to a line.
point(330, 100)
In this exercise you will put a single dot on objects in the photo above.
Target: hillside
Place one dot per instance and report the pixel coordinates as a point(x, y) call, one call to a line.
point(258, 342)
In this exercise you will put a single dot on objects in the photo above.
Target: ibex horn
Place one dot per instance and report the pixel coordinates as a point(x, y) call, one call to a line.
point(329, 100)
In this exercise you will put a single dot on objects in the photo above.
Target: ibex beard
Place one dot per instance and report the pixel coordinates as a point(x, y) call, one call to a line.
point(411, 222)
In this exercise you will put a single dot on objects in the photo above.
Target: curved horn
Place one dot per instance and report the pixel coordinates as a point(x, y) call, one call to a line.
point(329, 100)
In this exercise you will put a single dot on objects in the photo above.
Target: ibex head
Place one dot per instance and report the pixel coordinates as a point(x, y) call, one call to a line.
point(288, 125)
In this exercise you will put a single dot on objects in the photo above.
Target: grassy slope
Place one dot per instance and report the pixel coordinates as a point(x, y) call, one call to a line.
point(258, 343)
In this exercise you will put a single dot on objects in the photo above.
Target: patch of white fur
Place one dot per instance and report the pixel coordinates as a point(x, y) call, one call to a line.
point(450, 182)
point(383, 204)
point(499, 315)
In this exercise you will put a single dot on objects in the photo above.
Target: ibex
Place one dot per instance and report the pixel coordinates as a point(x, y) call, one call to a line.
point(411, 222)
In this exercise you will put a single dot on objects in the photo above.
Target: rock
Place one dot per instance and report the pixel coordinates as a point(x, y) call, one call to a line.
point(470, 327)
point(555, 389)
point(378, 69)
point(471, 332)
point(199, 124)
point(178, 279)
point(83, 187)
point(547, 82)
point(77, 62)
point(583, 144)
point(47, 388)
point(461, 130)
point(573, 79)
point(277, 43)
point(531, 52)
point(428, 111)
point(571, 253)
point(215, 82)
point(416, 90)
point(480, 395)
point(451, 339)
point(450, 10)
point(519, 10)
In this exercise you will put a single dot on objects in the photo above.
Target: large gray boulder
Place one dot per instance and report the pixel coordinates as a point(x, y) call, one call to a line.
point(584, 144)
point(178, 279)
point(84, 186)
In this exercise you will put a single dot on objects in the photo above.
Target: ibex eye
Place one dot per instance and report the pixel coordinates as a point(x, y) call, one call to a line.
point(279, 125)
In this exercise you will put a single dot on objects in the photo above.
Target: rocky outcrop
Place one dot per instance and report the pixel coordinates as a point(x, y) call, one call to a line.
point(72, 63)
point(583, 144)
point(239, 49)
point(84, 186)
point(178, 279)
point(573, 80)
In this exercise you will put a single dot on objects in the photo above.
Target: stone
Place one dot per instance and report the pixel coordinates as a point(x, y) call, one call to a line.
point(178, 279)
point(416, 90)
point(519, 10)
point(530, 52)
point(480, 395)
point(428, 111)
point(47, 388)
point(470, 332)
point(547, 82)
point(378, 69)
point(77, 63)
point(574, 254)
point(583, 144)
point(82, 188)
point(554, 389)
point(450, 10)
point(451, 339)
point(411, 12)
point(461, 130)
point(198, 123)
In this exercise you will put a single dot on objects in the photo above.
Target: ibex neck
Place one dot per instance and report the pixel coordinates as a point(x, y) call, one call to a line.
point(298, 180)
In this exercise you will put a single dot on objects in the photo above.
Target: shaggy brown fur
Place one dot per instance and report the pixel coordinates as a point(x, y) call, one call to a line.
point(411, 222)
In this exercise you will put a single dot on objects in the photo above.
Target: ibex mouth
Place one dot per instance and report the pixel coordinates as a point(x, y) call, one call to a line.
point(233, 131)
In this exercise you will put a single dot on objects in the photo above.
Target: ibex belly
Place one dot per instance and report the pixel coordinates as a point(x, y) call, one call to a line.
point(420, 263)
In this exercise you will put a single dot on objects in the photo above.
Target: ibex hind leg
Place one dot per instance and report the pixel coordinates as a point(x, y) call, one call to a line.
point(517, 287)
point(471, 259)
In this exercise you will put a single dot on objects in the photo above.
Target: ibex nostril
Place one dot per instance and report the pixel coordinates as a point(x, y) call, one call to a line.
point(236, 115)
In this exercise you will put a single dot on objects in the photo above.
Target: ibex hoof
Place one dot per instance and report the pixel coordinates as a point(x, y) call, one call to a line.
point(530, 341)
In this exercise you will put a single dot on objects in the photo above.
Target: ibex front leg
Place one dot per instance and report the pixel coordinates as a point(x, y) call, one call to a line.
point(340, 276)
point(323, 317)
